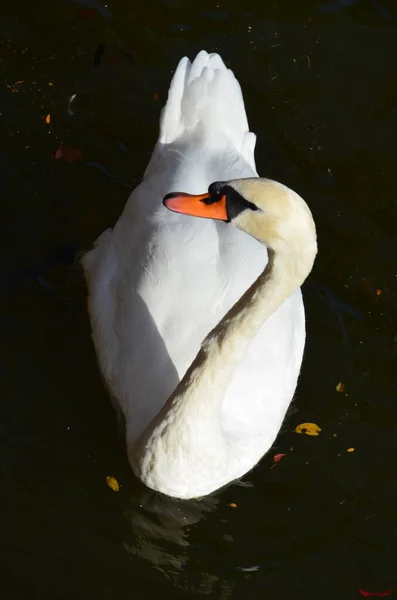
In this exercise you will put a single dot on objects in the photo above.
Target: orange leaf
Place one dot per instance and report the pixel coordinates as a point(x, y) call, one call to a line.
point(378, 292)
point(113, 483)
point(308, 428)
point(48, 119)
point(156, 96)
point(232, 505)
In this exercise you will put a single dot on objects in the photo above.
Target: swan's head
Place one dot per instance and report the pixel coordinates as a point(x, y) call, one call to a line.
point(265, 209)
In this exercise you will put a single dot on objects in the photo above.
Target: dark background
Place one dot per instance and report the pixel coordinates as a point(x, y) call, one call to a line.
point(320, 83)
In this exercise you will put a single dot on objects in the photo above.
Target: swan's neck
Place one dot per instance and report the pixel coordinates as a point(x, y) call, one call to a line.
point(210, 373)
point(188, 430)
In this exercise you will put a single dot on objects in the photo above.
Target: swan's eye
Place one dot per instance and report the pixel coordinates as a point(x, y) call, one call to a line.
point(216, 190)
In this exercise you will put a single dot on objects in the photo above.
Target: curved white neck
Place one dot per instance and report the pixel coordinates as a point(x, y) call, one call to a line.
point(188, 428)
point(207, 378)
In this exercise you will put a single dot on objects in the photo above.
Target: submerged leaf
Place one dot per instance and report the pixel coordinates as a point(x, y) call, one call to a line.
point(308, 428)
point(68, 153)
point(385, 593)
point(87, 13)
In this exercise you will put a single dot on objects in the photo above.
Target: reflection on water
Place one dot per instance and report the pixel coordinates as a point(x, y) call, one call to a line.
point(159, 523)
point(320, 83)
point(163, 534)
point(93, 4)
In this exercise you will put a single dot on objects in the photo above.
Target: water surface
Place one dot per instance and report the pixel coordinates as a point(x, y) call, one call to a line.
point(320, 83)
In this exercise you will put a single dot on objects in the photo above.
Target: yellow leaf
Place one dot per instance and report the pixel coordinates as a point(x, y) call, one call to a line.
point(340, 387)
point(350, 449)
point(308, 429)
point(48, 119)
point(113, 483)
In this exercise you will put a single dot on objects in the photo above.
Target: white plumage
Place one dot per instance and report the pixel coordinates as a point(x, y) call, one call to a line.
point(161, 281)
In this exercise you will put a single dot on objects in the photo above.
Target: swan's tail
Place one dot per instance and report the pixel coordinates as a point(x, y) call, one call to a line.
point(205, 93)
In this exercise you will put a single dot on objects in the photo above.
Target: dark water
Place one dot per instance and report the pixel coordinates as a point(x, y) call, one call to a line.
point(320, 82)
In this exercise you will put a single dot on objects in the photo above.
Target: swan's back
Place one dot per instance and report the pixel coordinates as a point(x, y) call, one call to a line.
point(160, 281)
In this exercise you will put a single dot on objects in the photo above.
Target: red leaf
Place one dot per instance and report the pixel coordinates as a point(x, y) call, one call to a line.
point(87, 13)
point(68, 153)
point(59, 151)
point(115, 59)
point(385, 593)
point(278, 457)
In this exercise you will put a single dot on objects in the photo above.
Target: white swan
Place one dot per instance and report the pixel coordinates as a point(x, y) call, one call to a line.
point(199, 336)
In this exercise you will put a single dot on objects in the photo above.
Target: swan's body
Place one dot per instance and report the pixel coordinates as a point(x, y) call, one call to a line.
point(161, 281)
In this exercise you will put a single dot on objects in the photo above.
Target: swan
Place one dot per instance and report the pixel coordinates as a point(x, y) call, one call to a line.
point(194, 296)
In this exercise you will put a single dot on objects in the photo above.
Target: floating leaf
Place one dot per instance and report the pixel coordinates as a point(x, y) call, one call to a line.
point(350, 449)
point(377, 293)
point(14, 89)
point(340, 387)
point(115, 58)
point(113, 483)
point(385, 593)
point(278, 457)
point(308, 429)
point(48, 119)
point(232, 505)
point(68, 153)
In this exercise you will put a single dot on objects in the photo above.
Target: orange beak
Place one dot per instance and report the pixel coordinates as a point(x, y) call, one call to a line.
point(195, 206)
